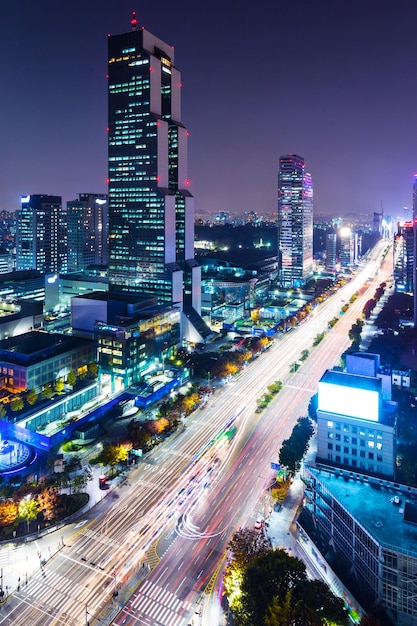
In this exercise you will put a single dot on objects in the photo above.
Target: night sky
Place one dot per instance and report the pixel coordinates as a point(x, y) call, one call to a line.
point(332, 81)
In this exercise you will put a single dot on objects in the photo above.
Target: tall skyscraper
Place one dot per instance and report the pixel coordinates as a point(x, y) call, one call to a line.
point(295, 222)
point(41, 237)
point(331, 251)
point(151, 211)
point(87, 231)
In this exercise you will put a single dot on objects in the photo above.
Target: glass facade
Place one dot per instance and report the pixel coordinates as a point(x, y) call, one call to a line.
point(87, 231)
point(295, 222)
point(404, 258)
point(41, 235)
point(131, 351)
point(151, 213)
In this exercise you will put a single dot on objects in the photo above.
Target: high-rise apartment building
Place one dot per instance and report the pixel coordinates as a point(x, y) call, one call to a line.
point(41, 237)
point(87, 231)
point(295, 222)
point(151, 211)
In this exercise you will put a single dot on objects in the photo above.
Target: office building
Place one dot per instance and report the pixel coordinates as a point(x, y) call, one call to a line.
point(404, 258)
point(346, 247)
point(87, 231)
point(41, 237)
point(331, 251)
point(366, 528)
point(356, 418)
point(295, 222)
point(151, 211)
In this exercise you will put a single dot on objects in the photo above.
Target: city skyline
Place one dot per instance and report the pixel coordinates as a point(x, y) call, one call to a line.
point(333, 83)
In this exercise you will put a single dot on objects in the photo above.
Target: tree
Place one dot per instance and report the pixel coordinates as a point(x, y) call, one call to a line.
point(112, 455)
point(282, 613)
point(17, 404)
point(275, 587)
point(8, 512)
point(49, 500)
point(72, 464)
point(3, 411)
point(294, 448)
point(47, 391)
point(246, 544)
point(71, 378)
point(281, 571)
point(93, 369)
point(155, 427)
point(28, 509)
point(78, 482)
point(59, 385)
point(31, 397)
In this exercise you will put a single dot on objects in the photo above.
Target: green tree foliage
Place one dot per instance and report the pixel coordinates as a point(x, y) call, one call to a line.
point(355, 331)
point(71, 378)
point(93, 369)
point(3, 411)
point(31, 397)
point(17, 404)
point(294, 448)
point(112, 455)
point(47, 391)
point(28, 509)
point(59, 385)
point(275, 591)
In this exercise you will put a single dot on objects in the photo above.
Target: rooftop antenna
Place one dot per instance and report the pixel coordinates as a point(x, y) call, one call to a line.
point(133, 20)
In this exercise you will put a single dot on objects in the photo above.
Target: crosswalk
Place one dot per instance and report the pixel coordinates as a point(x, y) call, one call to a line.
point(54, 595)
point(11, 555)
point(155, 605)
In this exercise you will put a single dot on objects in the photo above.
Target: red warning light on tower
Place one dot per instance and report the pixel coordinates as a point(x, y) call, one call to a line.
point(133, 20)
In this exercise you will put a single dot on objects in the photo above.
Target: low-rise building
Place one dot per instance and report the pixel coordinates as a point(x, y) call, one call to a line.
point(34, 359)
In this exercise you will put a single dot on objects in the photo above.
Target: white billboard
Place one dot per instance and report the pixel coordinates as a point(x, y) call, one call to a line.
point(350, 401)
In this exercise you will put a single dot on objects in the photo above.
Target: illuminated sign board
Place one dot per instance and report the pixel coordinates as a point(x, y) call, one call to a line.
point(350, 401)
point(24, 199)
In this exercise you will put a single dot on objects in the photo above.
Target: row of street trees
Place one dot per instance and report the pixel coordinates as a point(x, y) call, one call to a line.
point(31, 397)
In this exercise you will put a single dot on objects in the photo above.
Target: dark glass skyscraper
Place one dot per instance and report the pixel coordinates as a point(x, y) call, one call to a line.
point(295, 222)
point(87, 231)
point(41, 240)
point(151, 211)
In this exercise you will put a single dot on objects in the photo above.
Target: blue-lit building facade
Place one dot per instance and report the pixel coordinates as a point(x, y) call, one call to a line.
point(41, 234)
point(151, 211)
point(295, 222)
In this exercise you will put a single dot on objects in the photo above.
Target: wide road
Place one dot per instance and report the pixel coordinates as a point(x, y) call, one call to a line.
point(189, 496)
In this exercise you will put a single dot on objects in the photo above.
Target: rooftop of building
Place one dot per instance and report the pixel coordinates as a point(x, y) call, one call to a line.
point(126, 298)
point(36, 346)
point(357, 381)
point(377, 505)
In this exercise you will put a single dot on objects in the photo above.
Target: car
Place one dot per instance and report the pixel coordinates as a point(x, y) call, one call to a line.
point(259, 524)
